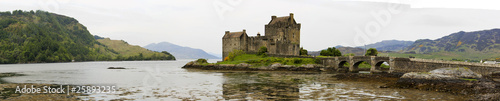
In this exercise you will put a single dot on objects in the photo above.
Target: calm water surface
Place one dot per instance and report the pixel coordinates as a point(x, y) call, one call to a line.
point(158, 80)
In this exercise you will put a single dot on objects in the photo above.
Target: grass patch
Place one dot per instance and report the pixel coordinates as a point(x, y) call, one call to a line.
point(424, 73)
point(467, 79)
point(321, 56)
point(203, 62)
point(364, 65)
point(256, 60)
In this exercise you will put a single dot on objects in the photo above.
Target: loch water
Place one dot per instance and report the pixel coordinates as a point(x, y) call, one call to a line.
point(166, 80)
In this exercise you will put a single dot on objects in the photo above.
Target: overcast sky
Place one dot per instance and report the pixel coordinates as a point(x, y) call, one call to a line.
point(325, 23)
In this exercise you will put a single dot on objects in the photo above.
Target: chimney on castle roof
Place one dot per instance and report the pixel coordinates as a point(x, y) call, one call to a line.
point(273, 17)
point(227, 32)
point(244, 31)
point(291, 16)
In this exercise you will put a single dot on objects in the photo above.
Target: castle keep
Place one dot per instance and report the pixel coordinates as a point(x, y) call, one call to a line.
point(282, 37)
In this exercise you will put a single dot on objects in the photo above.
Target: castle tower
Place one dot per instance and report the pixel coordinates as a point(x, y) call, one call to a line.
point(234, 41)
point(286, 34)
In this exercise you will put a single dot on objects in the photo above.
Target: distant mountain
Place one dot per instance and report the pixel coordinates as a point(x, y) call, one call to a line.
point(477, 41)
point(344, 50)
point(356, 50)
point(338, 46)
point(180, 52)
point(389, 45)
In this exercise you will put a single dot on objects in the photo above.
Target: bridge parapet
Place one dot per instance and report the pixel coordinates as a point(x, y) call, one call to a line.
point(426, 65)
point(455, 62)
point(404, 65)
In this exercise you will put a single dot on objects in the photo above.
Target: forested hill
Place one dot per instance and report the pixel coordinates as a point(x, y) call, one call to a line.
point(34, 37)
point(476, 41)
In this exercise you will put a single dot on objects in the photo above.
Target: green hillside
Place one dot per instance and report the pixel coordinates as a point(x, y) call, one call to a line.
point(454, 56)
point(474, 46)
point(35, 37)
point(130, 52)
point(477, 41)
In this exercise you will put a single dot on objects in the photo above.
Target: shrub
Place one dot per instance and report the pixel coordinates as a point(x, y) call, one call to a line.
point(234, 54)
point(263, 55)
point(325, 53)
point(371, 52)
point(303, 51)
point(201, 61)
point(297, 61)
point(317, 61)
point(262, 51)
point(331, 51)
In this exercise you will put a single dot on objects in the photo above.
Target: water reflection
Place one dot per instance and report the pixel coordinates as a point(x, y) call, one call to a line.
point(260, 86)
point(314, 86)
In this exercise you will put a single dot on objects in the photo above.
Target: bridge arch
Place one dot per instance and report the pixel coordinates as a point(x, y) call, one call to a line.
point(342, 64)
point(379, 66)
point(374, 64)
point(361, 66)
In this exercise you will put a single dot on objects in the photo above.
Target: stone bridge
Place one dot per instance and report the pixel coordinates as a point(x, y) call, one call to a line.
point(403, 65)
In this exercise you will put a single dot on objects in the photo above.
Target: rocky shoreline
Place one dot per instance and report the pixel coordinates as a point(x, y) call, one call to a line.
point(484, 88)
point(245, 66)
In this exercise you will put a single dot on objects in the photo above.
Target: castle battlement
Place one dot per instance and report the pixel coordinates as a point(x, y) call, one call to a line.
point(282, 37)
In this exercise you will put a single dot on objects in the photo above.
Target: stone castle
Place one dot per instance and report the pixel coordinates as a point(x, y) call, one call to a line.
point(282, 37)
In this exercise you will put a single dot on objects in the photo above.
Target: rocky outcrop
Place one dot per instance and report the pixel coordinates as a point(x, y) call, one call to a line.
point(116, 68)
point(456, 72)
point(453, 80)
point(443, 74)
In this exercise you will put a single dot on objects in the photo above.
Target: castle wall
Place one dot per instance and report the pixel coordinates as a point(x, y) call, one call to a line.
point(230, 44)
point(293, 34)
point(254, 43)
point(285, 48)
